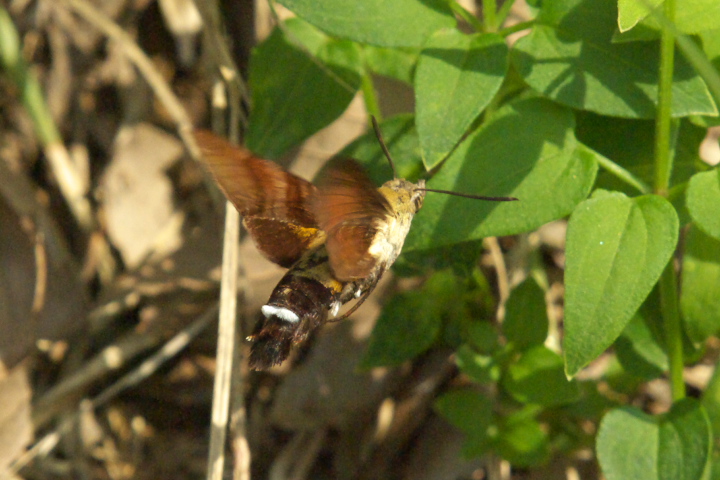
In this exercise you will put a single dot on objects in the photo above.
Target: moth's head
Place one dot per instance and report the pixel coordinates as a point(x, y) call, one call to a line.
point(403, 195)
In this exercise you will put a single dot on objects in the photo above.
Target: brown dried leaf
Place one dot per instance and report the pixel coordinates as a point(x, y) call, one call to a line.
point(137, 194)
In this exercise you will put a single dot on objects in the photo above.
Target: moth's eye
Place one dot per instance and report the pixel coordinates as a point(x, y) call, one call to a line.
point(418, 201)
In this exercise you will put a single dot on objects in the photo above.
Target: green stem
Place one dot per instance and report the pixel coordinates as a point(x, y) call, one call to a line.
point(504, 11)
point(623, 174)
point(490, 15)
point(370, 95)
point(460, 11)
point(26, 82)
point(663, 171)
point(663, 159)
point(516, 28)
point(673, 329)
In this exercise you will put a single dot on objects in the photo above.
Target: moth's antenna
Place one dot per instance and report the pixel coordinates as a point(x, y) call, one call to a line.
point(385, 150)
point(470, 195)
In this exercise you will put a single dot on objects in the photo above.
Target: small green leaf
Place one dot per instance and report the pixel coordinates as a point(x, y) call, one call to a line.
point(526, 321)
point(703, 201)
point(700, 297)
point(526, 146)
point(570, 57)
point(616, 250)
point(481, 368)
point(387, 23)
point(287, 108)
point(471, 412)
point(410, 323)
point(521, 440)
point(537, 378)
point(457, 76)
point(675, 446)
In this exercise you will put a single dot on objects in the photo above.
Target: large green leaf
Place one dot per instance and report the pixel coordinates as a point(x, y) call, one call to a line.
point(617, 248)
point(700, 298)
point(630, 12)
point(457, 76)
point(570, 57)
point(397, 63)
point(639, 350)
point(703, 201)
point(526, 150)
point(294, 95)
point(675, 446)
point(402, 141)
point(387, 23)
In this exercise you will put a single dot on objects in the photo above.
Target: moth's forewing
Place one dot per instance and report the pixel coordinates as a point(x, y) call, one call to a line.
point(349, 210)
point(274, 203)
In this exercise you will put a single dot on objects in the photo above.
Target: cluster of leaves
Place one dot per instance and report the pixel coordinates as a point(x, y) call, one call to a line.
point(565, 121)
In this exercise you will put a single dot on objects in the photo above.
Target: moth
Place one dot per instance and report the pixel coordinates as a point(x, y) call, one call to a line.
point(337, 238)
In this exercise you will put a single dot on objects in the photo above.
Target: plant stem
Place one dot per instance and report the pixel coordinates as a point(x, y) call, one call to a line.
point(623, 174)
point(673, 329)
point(460, 11)
point(663, 171)
point(663, 159)
point(504, 11)
point(489, 15)
point(516, 28)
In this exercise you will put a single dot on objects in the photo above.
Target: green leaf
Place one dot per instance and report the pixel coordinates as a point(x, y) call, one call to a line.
point(521, 440)
point(397, 63)
point(410, 322)
point(387, 23)
point(675, 446)
point(457, 76)
point(402, 141)
point(569, 56)
point(294, 95)
point(526, 321)
point(636, 152)
point(700, 297)
point(616, 250)
point(691, 17)
point(703, 201)
point(481, 368)
point(471, 412)
point(711, 402)
point(639, 350)
point(537, 378)
point(630, 12)
point(522, 149)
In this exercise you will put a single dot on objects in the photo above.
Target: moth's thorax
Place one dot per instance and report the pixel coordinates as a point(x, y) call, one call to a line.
point(405, 200)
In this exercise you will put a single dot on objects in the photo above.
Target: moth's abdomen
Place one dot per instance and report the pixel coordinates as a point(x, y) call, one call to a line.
point(298, 305)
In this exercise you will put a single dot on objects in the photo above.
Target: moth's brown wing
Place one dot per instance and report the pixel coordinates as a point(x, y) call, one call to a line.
point(274, 203)
point(349, 209)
